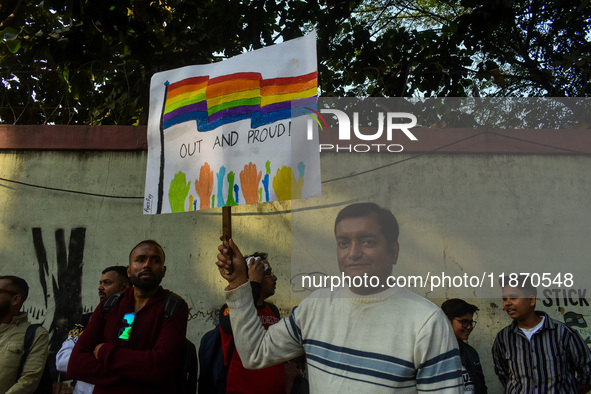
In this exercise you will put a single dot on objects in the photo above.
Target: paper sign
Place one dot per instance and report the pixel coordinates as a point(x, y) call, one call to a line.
point(234, 132)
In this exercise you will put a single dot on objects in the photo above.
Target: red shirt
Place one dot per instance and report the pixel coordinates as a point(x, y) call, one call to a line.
point(239, 380)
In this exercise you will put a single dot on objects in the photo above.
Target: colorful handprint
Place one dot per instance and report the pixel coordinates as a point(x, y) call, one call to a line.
point(220, 177)
point(285, 184)
point(282, 183)
point(237, 194)
point(178, 191)
point(204, 186)
point(230, 201)
point(249, 180)
point(266, 180)
point(297, 186)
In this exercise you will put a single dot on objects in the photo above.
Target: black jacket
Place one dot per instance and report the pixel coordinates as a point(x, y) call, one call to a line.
point(471, 362)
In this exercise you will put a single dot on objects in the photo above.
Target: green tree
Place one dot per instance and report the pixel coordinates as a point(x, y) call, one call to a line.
point(530, 47)
point(468, 48)
point(69, 61)
point(90, 62)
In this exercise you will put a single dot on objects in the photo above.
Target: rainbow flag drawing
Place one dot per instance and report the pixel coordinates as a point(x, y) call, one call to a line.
point(185, 101)
point(213, 102)
point(242, 118)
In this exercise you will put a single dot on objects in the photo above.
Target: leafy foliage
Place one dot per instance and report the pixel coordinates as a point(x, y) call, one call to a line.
point(530, 47)
point(90, 62)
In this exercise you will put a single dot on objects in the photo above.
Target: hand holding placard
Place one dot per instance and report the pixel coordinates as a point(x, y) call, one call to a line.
point(231, 263)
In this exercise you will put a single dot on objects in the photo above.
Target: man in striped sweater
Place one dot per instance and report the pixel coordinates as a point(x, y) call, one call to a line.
point(357, 339)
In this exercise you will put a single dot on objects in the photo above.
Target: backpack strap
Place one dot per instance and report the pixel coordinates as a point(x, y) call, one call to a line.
point(111, 301)
point(29, 337)
point(275, 310)
point(172, 303)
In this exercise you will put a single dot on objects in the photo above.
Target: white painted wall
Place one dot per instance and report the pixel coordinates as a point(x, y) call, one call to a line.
point(459, 214)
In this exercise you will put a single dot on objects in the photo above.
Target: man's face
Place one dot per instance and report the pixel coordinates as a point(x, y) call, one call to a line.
point(269, 282)
point(363, 249)
point(110, 283)
point(517, 305)
point(7, 297)
point(458, 323)
point(146, 266)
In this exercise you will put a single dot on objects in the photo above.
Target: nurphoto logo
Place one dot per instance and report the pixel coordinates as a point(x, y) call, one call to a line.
point(392, 122)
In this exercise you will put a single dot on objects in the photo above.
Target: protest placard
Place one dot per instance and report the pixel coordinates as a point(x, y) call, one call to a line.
point(234, 132)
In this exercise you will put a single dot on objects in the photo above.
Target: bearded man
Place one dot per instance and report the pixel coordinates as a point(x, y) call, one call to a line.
point(133, 342)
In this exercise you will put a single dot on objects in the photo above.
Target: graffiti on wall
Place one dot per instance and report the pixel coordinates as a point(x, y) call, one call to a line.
point(573, 306)
point(63, 286)
point(210, 315)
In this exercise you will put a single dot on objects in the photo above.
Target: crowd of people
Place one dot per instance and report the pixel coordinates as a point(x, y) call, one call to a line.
point(353, 339)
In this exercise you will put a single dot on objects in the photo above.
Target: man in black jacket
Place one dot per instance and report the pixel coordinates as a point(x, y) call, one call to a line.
point(461, 318)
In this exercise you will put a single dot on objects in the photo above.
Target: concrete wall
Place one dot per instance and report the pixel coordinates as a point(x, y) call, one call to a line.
point(71, 205)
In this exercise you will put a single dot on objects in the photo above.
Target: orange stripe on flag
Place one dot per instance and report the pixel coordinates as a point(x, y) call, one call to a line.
point(282, 89)
point(229, 87)
point(186, 89)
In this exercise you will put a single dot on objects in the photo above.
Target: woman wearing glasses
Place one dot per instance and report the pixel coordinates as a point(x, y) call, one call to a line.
point(461, 317)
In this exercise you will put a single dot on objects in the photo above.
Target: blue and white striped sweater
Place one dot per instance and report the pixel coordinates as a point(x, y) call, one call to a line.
point(394, 341)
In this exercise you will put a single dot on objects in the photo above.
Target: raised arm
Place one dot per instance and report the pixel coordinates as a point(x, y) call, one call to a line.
point(257, 347)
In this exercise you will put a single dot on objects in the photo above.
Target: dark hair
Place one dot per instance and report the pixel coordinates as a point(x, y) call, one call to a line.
point(523, 283)
point(120, 270)
point(262, 255)
point(456, 307)
point(21, 285)
point(386, 219)
point(151, 242)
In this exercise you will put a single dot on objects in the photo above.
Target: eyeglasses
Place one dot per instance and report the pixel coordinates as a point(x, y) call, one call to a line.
point(125, 331)
point(465, 323)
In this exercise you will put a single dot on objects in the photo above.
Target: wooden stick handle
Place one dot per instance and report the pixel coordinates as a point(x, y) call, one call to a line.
point(227, 232)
